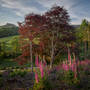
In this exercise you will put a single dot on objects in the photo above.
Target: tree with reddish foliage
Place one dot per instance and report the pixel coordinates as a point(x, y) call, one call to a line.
point(29, 30)
point(52, 31)
point(59, 29)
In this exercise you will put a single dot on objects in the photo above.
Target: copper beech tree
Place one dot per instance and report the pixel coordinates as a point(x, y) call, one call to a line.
point(52, 31)
point(59, 30)
point(29, 30)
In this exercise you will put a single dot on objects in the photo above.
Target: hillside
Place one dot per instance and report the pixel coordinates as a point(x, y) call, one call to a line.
point(8, 30)
point(11, 30)
point(76, 26)
point(7, 39)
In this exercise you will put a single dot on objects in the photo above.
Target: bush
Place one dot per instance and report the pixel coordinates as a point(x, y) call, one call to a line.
point(17, 73)
point(43, 84)
point(21, 73)
point(69, 78)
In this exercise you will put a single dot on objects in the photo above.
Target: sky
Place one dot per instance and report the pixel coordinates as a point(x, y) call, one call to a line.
point(12, 11)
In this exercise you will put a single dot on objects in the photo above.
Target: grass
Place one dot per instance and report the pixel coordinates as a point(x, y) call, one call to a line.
point(11, 64)
point(6, 39)
point(8, 63)
point(6, 42)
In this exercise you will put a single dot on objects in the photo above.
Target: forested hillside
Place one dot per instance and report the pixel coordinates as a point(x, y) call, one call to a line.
point(8, 30)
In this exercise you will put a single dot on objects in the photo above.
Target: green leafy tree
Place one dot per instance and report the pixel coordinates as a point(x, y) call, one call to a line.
point(83, 35)
point(88, 39)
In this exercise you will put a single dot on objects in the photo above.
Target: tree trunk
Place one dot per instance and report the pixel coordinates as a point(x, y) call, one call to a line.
point(52, 50)
point(31, 56)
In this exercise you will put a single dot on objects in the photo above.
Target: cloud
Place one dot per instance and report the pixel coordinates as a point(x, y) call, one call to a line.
point(18, 7)
point(76, 8)
point(4, 22)
point(48, 3)
point(18, 13)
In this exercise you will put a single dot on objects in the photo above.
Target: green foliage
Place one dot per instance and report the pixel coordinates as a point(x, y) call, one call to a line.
point(17, 72)
point(43, 84)
point(84, 24)
point(69, 78)
point(9, 47)
point(60, 58)
point(12, 74)
point(6, 63)
point(7, 39)
point(15, 46)
point(21, 73)
point(83, 31)
point(83, 39)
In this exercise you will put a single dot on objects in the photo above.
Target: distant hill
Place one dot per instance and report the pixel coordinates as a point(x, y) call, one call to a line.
point(9, 25)
point(76, 26)
point(11, 30)
point(8, 30)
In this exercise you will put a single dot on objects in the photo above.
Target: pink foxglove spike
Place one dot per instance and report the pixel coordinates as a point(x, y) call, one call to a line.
point(41, 69)
point(73, 67)
point(42, 74)
point(66, 67)
point(36, 77)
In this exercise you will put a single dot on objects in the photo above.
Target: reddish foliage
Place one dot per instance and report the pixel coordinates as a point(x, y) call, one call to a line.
point(30, 29)
point(42, 26)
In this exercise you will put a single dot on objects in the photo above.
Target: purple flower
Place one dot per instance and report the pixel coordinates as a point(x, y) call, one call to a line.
point(65, 66)
point(36, 77)
point(41, 69)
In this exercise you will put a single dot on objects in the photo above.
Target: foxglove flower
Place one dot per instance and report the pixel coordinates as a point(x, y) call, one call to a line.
point(41, 69)
point(36, 77)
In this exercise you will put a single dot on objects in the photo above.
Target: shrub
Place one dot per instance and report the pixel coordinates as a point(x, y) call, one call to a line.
point(1, 81)
point(69, 78)
point(12, 74)
point(43, 84)
point(18, 72)
point(21, 73)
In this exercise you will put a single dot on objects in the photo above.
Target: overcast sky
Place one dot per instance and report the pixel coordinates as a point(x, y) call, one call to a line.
point(12, 11)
